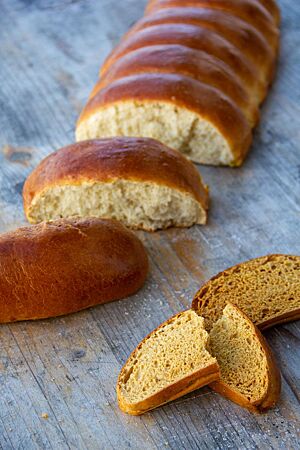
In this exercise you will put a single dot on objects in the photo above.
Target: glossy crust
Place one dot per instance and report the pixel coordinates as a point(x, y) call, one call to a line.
point(104, 160)
point(283, 318)
point(182, 60)
point(64, 266)
point(274, 378)
point(240, 33)
point(188, 384)
point(252, 11)
point(185, 92)
point(192, 36)
point(269, 5)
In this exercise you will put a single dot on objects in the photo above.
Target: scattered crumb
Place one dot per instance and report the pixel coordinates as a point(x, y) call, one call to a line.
point(44, 415)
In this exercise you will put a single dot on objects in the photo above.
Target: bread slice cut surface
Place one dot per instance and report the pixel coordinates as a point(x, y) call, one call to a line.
point(139, 182)
point(170, 362)
point(249, 376)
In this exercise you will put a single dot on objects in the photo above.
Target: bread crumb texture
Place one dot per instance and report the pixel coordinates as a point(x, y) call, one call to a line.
point(241, 357)
point(172, 352)
point(170, 124)
point(145, 205)
point(265, 289)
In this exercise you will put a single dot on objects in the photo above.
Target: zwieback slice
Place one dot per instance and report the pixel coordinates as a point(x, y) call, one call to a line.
point(267, 289)
point(170, 362)
point(249, 374)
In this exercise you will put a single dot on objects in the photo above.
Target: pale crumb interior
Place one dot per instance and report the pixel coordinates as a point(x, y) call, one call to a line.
point(263, 290)
point(137, 204)
point(173, 352)
point(174, 126)
point(242, 360)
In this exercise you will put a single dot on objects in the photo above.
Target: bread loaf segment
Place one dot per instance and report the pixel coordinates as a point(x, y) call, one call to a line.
point(190, 74)
point(138, 181)
point(57, 268)
point(187, 115)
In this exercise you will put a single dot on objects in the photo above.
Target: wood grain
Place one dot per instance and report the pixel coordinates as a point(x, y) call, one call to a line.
point(51, 51)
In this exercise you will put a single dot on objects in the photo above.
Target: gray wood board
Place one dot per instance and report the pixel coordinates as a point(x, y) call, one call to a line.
point(51, 51)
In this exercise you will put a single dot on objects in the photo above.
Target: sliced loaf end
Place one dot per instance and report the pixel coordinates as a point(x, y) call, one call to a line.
point(249, 375)
point(170, 362)
point(176, 127)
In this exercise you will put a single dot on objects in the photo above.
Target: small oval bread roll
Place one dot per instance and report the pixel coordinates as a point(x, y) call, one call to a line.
point(57, 268)
point(138, 181)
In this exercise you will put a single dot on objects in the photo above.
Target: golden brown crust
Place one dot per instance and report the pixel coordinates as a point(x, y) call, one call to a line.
point(192, 36)
point(274, 379)
point(194, 381)
point(273, 9)
point(184, 92)
point(64, 266)
point(252, 11)
point(283, 318)
point(240, 33)
point(196, 64)
point(104, 160)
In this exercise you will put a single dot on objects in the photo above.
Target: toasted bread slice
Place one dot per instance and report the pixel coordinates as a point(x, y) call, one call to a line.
point(249, 375)
point(170, 362)
point(267, 289)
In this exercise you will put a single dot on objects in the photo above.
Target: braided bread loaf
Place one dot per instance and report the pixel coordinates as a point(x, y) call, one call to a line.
point(190, 73)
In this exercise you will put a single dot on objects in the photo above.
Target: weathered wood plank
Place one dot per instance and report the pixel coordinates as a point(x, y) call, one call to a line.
point(51, 51)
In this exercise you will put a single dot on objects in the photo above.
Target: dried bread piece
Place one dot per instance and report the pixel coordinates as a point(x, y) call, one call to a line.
point(170, 362)
point(249, 375)
point(179, 357)
point(267, 289)
point(138, 181)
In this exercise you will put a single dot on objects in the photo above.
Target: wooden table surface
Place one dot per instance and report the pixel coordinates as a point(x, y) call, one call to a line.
point(67, 368)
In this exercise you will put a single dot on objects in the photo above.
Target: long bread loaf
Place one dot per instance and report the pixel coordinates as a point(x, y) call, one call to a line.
point(190, 74)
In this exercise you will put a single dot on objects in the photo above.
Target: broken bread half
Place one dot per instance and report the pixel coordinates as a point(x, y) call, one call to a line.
point(170, 362)
point(138, 181)
point(249, 375)
point(267, 289)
